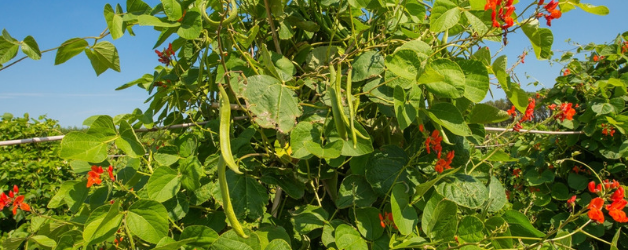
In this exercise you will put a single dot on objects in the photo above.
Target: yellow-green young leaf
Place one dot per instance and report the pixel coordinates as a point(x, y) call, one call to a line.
point(231, 241)
point(484, 113)
point(163, 184)
point(102, 126)
point(69, 49)
point(128, 141)
point(499, 155)
point(349, 238)
point(137, 7)
point(8, 50)
point(191, 25)
point(540, 38)
point(615, 239)
point(13, 242)
point(445, 15)
point(448, 116)
point(114, 22)
point(404, 214)
point(81, 146)
point(172, 8)
point(8, 37)
point(107, 54)
point(597, 10)
point(302, 133)
point(496, 195)
point(148, 220)
point(148, 20)
point(30, 48)
point(44, 241)
point(285, 31)
point(477, 4)
point(102, 223)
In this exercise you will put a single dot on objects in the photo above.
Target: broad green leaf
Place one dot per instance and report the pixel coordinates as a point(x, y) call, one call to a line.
point(273, 104)
point(191, 25)
point(499, 70)
point(128, 141)
point(476, 79)
point(192, 170)
point(447, 115)
point(278, 244)
point(308, 218)
point(248, 196)
point(168, 243)
point(597, 10)
point(404, 214)
point(406, 63)
point(30, 48)
point(13, 242)
point(203, 236)
point(81, 146)
point(103, 56)
point(283, 66)
point(100, 226)
point(560, 191)
point(406, 107)
point(422, 188)
point(477, 4)
point(163, 184)
point(363, 147)
point(471, 229)
point(172, 8)
point(148, 20)
point(411, 242)
point(302, 133)
point(534, 178)
point(541, 39)
point(358, 3)
point(577, 182)
point(72, 193)
point(602, 108)
point(368, 223)
point(137, 7)
point(102, 126)
point(293, 187)
point(328, 237)
point(496, 195)
point(463, 189)
point(8, 50)
point(285, 31)
point(386, 168)
point(349, 238)
point(148, 220)
point(355, 190)
point(497, 225)
point(166, 156)
point(483, 55)
point(177, 207)
point(69, 49)
point(367, 65)
point(268, 234)
point(329, 151)
point(446, 78)
point(615, 239)
point(230, 240)
point(501, 156)
point(519, 224)
point(114, 22)
point(477, 24)
point(517, 97)
point(445, 15)
point(443, 222)
point(485, 114)
point(44, 241)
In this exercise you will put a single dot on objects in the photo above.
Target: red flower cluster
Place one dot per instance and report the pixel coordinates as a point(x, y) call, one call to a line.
point(433, 141)
point(512, 112)
point(615, 209)
point(93, 176)
point(553, 13)
point(504, 15)
point(566, 111)
point(516, 172)
point(165, 54)
point(527, 116)
point(597, 58)
point(387, 219)
point(442, 164)
point(566, 72)
point(608, 129)
point(18, 202)
point(577, 169)
point(624, 48)
point(572, 201)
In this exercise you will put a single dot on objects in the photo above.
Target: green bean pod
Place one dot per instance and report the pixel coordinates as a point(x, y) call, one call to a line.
point(226, 199)
point(336, 108)
point(233, 13)
point(225, 125)
point(354, 136)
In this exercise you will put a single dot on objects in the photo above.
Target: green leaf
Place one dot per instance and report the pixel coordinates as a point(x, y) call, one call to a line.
point(283, 66)
point(448, 116)
point(103, 56)
point(8, 50)
point(422, 188)
point(519, 224)
point(349, 238)
point(471, 229)
point(406, 63)
point(445, 15)
point(248, 196)
point(30, 48)
point(485, 114)
point(148, 220)
point(615, 239)
point(293, 187)
point(496, 195)
point(499, 155)
point(368, 223)
point(69, 49)
point(128, 141)
point(445, 78)
point(81, 146)
point(463, 189)
point(499, 70)
point(13, 242)
point(114, 22)
point(602, 108)
point(163, 184)
point(203, 236)
point(148, 20)
point(268, 234)
point(477, 24)
point(192, 170)
point(172, 8)
point(355, 190)
point(100, 226)
point(497, 226)
point(137, 7)
point(476, 79)
point(541, 39)
point(191, 25)
point(278, 244)
point(72, 193)
point(102, 126)
point(230, 240)
point(273, 104)
point(384, 168)
point(166, 156)
point(308, 218)
point(406, 109)
point(597, 10)
point(443, 222)
point(404, 214)
point(560, 191)
point(44, 241)
point(577, 182)
point(302, 133)
point(367, 65)
point(477, 4)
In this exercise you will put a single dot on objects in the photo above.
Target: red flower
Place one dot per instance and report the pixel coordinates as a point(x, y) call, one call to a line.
point(553, 12)
point(593, 188)
point(19, 203)
point(571, 202)
point(566, 112)
point(443, 164)
point(516, 172)
point(507, 195)
point(4, 200)
point(618, 194)
point(596, 203)
point(387, 219)
point(517, 127)
point(433, 141)
point(512, 112)
point(541, 2)
point(381, 221)
point(110, 171)
point(529, 113)
point(165, 54)
point(93, 177)
point(421, 128)
point(616, 210)
point(595, 210)
point(566, 72)
point(596, 58)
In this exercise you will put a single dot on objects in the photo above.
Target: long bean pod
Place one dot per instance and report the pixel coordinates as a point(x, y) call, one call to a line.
point(226, 199)
point(336, 108)
point(225, 125)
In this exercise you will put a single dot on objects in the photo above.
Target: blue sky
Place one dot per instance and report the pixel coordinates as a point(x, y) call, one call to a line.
point(71, 92)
